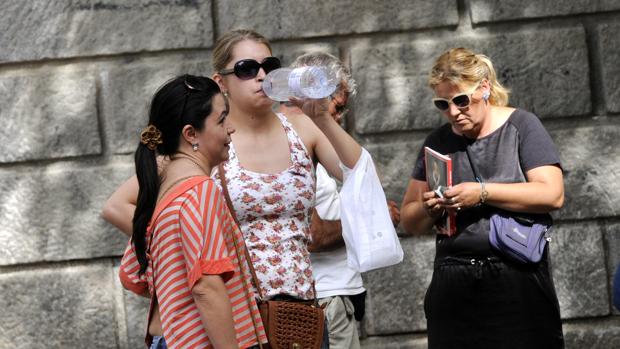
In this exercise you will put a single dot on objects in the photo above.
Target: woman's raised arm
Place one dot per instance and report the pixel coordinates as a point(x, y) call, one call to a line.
point(332, 144)
point(119, 208)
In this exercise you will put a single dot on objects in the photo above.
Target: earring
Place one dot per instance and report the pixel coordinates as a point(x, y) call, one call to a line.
point(225, 94)
point(195, 147)
point(486, 95)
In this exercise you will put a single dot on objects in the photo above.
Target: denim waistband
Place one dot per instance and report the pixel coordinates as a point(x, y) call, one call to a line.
point(158, 343)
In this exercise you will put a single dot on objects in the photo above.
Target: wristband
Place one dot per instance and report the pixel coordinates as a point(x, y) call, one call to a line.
point(484, 194)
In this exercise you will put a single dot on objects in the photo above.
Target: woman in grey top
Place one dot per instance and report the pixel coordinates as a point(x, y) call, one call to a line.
point(477, 298)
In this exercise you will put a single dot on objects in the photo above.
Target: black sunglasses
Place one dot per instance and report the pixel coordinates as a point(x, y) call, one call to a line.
point(461, 101)
point(247, 69)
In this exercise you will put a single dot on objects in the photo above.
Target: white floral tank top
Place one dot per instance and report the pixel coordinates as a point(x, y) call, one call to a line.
point(274, 212)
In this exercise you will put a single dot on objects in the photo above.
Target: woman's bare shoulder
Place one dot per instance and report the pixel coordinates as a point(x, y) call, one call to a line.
point(305, 128)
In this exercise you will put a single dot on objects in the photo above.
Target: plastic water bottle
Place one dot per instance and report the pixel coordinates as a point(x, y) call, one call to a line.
point(313, 82)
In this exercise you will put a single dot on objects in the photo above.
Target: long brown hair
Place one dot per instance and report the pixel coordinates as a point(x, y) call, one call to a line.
point(172, 107)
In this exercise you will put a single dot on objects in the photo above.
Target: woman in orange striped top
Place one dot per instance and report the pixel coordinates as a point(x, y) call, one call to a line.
point(186, 250)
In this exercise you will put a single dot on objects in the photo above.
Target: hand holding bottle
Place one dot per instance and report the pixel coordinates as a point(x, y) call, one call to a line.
point(312, 82)
point(315, 109)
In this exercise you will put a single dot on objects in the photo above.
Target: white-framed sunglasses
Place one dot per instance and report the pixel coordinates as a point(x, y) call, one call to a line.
point(461, 101)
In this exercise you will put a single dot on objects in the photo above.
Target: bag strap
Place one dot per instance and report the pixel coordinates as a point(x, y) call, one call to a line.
point(222, 173)
point(174, 184)
point(472, 164)
point(231, 208)
point(545, 218)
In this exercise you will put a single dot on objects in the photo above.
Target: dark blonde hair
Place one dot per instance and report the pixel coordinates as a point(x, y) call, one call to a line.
point(222, 53)
point(462, 66)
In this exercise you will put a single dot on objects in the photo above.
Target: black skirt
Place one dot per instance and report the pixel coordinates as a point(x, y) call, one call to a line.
point(490, 303)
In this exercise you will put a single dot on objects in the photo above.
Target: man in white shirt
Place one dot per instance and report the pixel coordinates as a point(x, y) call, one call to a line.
point(336, 284)
point(335, 281)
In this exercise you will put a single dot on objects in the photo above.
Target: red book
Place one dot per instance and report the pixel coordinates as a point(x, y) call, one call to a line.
point(439, 178)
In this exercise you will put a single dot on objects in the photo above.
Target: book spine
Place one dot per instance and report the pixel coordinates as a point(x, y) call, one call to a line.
point(449, 166)
point(451, 221)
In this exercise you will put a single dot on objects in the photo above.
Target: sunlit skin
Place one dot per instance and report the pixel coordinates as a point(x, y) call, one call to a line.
point(472, 120)
point(214, 139)
point(260, 143)
point(212, 145)
point(247, 96)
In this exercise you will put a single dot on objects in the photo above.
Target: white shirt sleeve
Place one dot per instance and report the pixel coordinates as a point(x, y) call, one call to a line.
point(327, 202)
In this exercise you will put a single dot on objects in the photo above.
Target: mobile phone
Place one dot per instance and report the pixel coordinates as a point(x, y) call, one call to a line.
point(440, 190)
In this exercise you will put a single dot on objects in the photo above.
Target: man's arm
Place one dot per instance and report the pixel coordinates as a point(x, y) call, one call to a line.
point(326, 235)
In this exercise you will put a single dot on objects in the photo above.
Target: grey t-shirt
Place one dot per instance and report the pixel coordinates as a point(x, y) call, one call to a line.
point(503, 156)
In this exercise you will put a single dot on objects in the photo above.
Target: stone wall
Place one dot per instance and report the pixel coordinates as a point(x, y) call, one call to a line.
point(76, 77)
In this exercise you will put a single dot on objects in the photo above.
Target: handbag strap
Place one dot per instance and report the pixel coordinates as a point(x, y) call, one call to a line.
point(472, 164)
point(231, 209)
point(546, 218)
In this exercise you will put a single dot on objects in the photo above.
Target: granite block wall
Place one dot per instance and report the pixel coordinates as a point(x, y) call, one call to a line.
point(76, 77)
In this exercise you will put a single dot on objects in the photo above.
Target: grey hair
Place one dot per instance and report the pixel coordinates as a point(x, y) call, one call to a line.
point(325, 59)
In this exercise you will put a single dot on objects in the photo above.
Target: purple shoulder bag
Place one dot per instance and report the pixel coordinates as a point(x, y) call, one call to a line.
point(520, 237)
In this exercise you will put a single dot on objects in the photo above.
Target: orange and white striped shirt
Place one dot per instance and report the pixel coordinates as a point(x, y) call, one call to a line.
point(190, 235)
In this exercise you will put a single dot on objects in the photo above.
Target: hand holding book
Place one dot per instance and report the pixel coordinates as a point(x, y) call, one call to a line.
point(432, 204)
point(461, 196)
point(439, 179)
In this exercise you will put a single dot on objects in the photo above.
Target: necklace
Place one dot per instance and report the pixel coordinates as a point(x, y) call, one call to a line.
point(161, 194)
point(190, 158)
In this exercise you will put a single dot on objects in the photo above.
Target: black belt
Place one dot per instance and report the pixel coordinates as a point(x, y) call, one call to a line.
point(287, 298)
point(478, 262)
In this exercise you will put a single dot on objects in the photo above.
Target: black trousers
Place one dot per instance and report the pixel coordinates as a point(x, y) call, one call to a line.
point(489, 303)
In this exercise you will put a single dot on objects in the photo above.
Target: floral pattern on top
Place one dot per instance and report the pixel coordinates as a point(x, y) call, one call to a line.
point(274, 212)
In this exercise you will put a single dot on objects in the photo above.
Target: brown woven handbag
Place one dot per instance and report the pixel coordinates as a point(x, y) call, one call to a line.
point(294, 324)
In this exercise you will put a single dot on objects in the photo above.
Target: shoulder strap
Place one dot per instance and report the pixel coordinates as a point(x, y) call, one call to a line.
point(165, 200)
point(166, 197)
point(222, 173)
point(544, 218)
point(471, 163)
point(163, 194)
point(231, 208)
